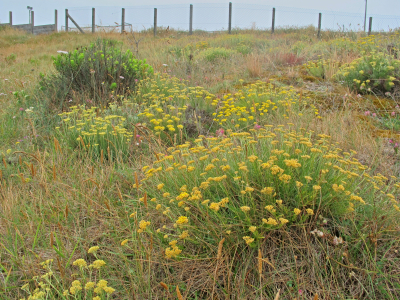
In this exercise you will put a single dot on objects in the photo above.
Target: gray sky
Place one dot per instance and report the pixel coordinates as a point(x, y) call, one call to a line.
point(109, 11)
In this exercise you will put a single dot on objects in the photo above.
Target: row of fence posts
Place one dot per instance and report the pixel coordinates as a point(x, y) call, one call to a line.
point(32, 17)
point(68, 16)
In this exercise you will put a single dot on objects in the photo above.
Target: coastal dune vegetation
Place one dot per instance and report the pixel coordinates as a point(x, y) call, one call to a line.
point(209, 166)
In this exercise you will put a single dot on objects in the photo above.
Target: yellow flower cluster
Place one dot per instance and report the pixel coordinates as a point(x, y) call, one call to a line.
point(84, 127)
point(182, 220)
point(75, 287)
point(165, 101)
point(172, 251)
point(287, 172)
point(253, 103)
point(143, 225)
point(248, 240)
point(80, 263)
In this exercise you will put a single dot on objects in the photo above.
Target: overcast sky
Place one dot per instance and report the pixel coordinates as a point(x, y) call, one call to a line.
point(44, 9)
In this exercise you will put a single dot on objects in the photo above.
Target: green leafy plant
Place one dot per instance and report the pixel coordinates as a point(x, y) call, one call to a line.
point(322, 68)
point(11, 58)
point(214, 54)
point(376, 72)
point(243, 48)
point(97, 71)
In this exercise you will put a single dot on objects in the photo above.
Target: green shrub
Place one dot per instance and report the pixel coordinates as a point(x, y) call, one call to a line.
point(189, 49)
point(376, 72)
point(96, 72)
point(245, 186)
point(233, 41)
point(298, 47)
point(11, 58)
point(214, 54)
point(243, 48)
point(322, 68)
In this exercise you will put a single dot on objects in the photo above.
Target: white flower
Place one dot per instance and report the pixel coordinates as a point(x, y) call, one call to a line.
point(62, 52)
point(318, 232)
point(337, 240)
point(29, 110)
point(165, 65)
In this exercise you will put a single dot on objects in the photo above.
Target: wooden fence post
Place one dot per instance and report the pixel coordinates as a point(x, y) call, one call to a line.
point(319, 25)
point(230, 18)
point(370, 26)
point(123, 21)
point(273, 20)
point(66, 20)
point(93, 20)
point(155, 21)
point(73, 21)
point(32, 20)
point(56, 20)
point(10, 18)
point(191, 20)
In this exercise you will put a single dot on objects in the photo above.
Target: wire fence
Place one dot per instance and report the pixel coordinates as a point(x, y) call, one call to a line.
point(215, 17)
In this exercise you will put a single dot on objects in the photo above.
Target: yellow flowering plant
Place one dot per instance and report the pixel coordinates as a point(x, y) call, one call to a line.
point(175, 112)
point(100, 136)
point(87, 285)
point(171, 109)
point(278, 178)
point(374, 72)
point(255, 105)
point(322, 68)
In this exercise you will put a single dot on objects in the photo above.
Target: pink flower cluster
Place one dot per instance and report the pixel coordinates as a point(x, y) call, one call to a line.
point(395, 145)
point(368, 113)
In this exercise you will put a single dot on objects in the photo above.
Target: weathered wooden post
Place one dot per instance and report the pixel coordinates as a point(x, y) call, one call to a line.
point(191, 20)
point(230, 18)
point(56, 20)
point(10, 18)
point(155, 21)
point(32, 20)
point(319, 25)
point(93, 20)
point(76, 24)
point(123, 21)
point(273, 20)
point(370, 26)
point(66, 20)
